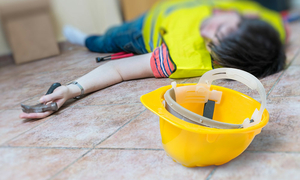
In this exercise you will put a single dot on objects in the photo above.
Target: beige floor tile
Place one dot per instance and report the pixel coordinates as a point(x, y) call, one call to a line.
point(46, 79)
point(12, 99)
point(27, 68)
point(295, 36)
point(282, 131)
point(82, 59)
point(69, 47)
point(65, 58)
point(56, 63)
point(21, 88)
point(11, 125)
point(4, 78)
point(291, 51)
point(257, 165)
point(79, 126)
point(131, 164)
point(289, 83)
point(143, 132)
point(27, 164)
point(296, 61)
point(15, 82)
point(89, 62)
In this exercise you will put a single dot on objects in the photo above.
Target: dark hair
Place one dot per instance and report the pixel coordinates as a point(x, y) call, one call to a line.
point(254, 47)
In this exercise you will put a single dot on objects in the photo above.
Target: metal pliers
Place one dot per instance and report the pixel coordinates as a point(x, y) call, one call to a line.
point(39, 108)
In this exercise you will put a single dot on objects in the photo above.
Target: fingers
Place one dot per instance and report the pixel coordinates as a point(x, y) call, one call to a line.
point(51, 97)
point(35, 115)
point(23, 115)
point(57, 96)
point(60, 102)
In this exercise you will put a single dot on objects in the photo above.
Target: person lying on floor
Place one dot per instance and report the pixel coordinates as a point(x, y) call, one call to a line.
point(181, 39)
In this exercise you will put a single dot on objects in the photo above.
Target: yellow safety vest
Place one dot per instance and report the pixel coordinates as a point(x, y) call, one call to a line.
point(177, 23)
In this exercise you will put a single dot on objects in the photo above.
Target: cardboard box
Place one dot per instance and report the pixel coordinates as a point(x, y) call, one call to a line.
point(28, 29)
point(134, 8)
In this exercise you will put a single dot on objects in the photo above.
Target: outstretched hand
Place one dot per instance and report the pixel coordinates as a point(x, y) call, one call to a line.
point(60, 96)
point(113, 72)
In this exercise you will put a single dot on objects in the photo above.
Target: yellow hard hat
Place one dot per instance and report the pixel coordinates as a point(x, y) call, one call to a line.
point(193, 137)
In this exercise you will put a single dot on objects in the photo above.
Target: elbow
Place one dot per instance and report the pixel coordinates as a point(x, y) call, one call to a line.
point(115, 69)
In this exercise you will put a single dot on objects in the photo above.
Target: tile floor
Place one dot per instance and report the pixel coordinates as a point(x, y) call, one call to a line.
point(110, 134)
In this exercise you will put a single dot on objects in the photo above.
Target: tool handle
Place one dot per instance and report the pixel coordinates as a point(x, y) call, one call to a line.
point(119, 53)
point(98, 59)
point(52, 88)
point(122, 56)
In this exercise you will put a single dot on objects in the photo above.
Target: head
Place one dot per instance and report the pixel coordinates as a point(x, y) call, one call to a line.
point(245, 43)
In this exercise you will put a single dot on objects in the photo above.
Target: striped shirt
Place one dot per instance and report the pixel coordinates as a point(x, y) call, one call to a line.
point(160, 62)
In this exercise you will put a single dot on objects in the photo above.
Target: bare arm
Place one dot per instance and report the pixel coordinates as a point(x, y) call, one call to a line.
point(108, 74)
point(114, 72)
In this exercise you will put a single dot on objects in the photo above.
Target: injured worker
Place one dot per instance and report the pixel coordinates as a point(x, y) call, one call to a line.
point(181, 39)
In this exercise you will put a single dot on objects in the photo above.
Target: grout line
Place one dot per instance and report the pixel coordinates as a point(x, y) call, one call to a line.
point(70, 164)
point(34, 147)
point(211, 173)
point(40, 147)
point(138, 149)
point(293, 59)
point(276, 82)
point(17, 106)
point(95, 146)
point(186, 80)
point(40, 94)
point(106, 105)
point(66, 107)
point(274, 152)
point(119, 128)
point(28, 130)
point(12, 109)
point(75, 105)
point(285, 96)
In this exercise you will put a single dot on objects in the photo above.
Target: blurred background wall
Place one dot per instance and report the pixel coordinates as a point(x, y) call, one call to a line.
point(91, 16)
